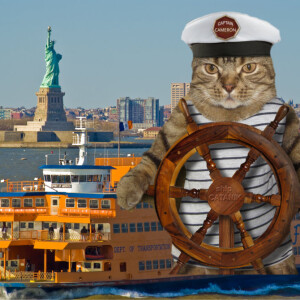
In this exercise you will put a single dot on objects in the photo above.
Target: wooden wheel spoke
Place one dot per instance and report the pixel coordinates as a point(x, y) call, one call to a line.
point(177, 192)
point(204, 151)
point(247, 240)
point(240, 174)
point(253, 153)
point(191, 125)
point(197, 238)
point(275, 200)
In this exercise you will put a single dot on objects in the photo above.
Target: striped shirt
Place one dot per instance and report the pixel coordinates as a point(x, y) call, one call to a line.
point(259, 180)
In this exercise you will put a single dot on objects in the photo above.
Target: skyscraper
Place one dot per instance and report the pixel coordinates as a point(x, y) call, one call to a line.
point(143, 113)
point(178, 90)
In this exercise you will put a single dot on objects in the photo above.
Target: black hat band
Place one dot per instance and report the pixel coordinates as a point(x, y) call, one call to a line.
point(252, 48)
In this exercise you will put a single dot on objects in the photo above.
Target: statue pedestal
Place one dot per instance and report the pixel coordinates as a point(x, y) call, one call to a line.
point(50, 114)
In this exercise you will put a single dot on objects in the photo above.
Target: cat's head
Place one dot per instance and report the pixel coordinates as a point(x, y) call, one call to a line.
point(233, 82)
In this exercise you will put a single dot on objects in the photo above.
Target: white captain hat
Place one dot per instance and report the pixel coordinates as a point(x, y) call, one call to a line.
point(230, 34)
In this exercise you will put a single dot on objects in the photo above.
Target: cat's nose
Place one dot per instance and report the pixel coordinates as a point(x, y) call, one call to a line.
point(229, 87)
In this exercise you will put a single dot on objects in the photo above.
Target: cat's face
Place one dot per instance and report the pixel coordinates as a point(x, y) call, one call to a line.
point(232, 82)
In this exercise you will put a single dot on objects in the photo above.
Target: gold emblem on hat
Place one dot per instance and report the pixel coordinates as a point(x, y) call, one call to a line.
point(226, 28)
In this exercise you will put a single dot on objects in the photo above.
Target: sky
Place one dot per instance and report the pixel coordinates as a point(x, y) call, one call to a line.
point(119, 48)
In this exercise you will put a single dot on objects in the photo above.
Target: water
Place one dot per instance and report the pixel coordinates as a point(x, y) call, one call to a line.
point(23, 164)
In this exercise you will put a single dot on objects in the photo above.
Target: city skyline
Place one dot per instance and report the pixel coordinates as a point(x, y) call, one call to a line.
point(131, 48)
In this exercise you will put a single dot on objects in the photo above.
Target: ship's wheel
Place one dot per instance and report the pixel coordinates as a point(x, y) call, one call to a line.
point(226, 196)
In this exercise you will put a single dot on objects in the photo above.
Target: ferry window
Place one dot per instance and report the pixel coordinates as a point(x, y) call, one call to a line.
point(39, 202)
point(146, 226)
point(153, 226)
point(54, 202)
point(140, 227)
point(54, 225)
point(159, 227)
point(45, 225)
point(123, 267)
point(116, 228)
point(100, 227)
point(54, 178)
point(132, 227)
point(70, 202)
point(14, 263)
point(64, 179)
point(89, 178)
point(16, 202)
point(141, 265)
point(4, 202)
point(82, 178)
point(124, 228)
point(76, 225)
point(27, 202)
point(168, 263)
point(69, 225)
point(87, 265)
point(47, 177)
point(162, 264)
point(139, 206)
point(97, 265)
point(148, 265)
point(31, 225)
point(2, 263)
point(155, 264)
point(94, 203)
point(105, 203)
point(96, 178)
point(81, 203)
point(145, 205)
point(23, 225)
point(74, 178)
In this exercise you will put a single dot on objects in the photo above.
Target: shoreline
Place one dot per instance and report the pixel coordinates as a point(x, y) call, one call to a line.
point(69, 145)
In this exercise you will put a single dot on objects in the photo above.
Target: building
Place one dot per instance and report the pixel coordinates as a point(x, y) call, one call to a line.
point(166, 112)
point(178, 91)
point(5, 113)
point(16, 115)
point(151, 133)
point(143, 113)
point(113, 114)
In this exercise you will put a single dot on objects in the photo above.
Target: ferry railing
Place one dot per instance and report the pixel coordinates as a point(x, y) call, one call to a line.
point(25, 186)
point(23, 210)
point(44, 235)
point(27, 276)
point(121, 161)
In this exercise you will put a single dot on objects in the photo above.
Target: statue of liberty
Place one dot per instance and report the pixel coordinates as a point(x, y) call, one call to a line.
point(52, 59)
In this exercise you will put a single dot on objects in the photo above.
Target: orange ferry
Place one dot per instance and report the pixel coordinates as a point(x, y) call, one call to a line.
point(68, 228)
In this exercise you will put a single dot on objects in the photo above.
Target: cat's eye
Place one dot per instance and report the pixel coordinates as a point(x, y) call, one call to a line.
point(249, 68)
point(211, 69)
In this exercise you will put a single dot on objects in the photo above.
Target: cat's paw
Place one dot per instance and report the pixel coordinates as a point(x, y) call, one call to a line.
point(131, 189)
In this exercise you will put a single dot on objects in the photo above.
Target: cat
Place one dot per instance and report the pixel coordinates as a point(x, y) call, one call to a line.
point(222, 89)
